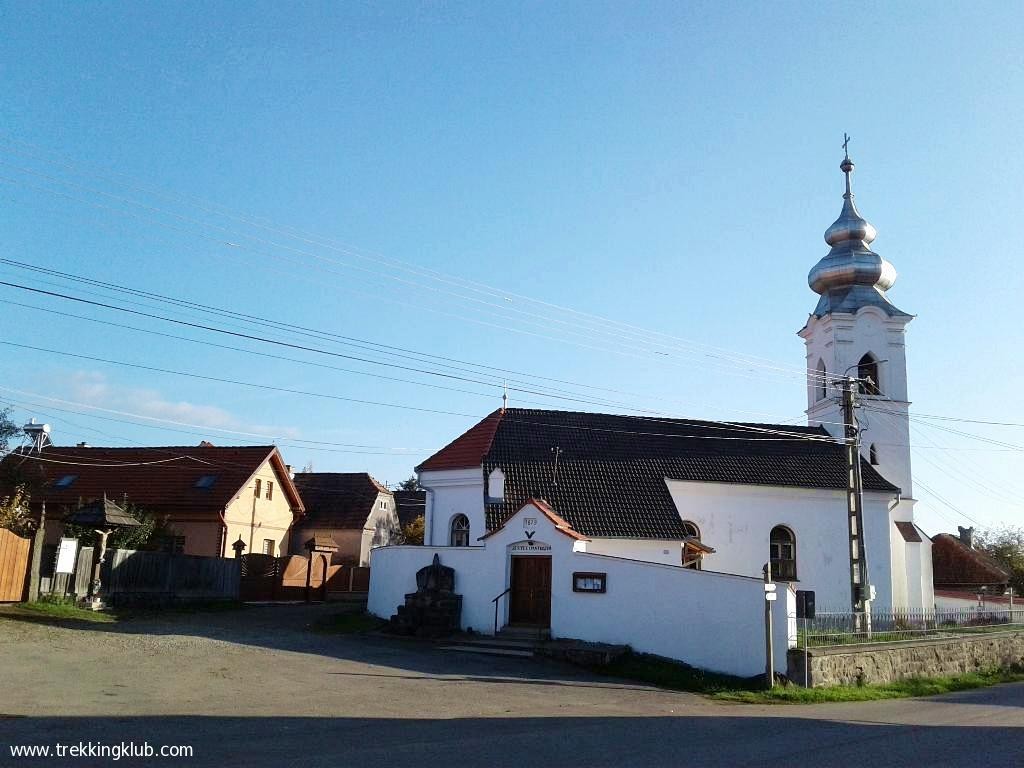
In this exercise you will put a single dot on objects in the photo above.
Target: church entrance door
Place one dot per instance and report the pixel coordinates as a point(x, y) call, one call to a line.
point(530, 603)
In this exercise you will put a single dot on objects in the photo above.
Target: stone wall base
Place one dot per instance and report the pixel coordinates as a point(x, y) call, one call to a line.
point(873, 663)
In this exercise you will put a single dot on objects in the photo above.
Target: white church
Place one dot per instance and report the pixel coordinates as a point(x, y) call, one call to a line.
point(654, 532)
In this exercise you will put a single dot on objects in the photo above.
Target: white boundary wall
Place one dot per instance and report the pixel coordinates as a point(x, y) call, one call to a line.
point(706, 619)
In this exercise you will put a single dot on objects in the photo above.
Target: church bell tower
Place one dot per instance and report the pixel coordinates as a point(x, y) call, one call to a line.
point(855, 330)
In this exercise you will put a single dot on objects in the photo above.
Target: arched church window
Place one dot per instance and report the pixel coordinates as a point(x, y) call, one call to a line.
point(820, 383)
point(783, 553)
point(873, 455)
point(692, 556)
point(867, 372)
point(459, 536)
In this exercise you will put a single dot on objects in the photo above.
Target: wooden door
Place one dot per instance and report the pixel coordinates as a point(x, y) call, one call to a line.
point(531, 591)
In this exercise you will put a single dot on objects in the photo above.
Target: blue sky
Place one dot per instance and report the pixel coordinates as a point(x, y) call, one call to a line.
point(663, 165)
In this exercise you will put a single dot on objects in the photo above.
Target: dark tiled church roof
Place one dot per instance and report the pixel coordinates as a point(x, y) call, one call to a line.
point(612, 469)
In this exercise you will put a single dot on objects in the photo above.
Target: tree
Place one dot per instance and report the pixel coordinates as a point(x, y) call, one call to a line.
point(14, 514)
point(412, 484)
point(8, 430)
point(413, 532)
point(1005, 545)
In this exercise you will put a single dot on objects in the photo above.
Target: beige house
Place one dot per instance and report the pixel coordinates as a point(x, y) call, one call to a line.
point(209, 496)
point(351, 508)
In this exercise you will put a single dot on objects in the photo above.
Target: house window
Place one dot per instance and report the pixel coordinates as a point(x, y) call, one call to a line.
point(383, 505)
point(496, 485)
point(65, 481)
point(873, 455)
point(867, 372)
point(270, 490)
point(459, 531)
point(783, 553)
point(691, 556)
point(268, 547)
point(259, 488)
point(206, 481)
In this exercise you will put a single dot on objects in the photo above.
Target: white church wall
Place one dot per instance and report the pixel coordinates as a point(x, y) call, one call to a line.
point(710, 620)
point(706, 619)
point(450, 493)
point(737, 521)
point(667, 552)
point(901, 572)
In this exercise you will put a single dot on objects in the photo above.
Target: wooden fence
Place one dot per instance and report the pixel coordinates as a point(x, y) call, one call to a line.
point(14, 557)
point(77, 584)
point(268, 578)
point(161, 577)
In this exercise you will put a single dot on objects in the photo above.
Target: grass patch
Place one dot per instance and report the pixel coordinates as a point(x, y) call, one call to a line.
point(675, 675)
point(681, 677)
point(350, 623)
point(58, 610)
point(901, 689)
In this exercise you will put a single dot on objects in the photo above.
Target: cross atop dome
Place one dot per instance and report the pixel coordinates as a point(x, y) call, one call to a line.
point(851, 275)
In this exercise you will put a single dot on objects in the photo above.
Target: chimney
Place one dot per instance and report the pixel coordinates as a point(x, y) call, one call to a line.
point(967, 535)
point(288, 469)
point(82, 444)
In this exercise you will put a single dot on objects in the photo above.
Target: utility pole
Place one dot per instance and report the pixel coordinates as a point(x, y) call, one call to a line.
point(769, 646)
point(860, 588)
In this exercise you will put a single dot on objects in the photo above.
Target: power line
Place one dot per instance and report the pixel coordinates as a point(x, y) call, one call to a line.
point(373, 450)
point(632, 332)
point(629, 349)
point(237, 382)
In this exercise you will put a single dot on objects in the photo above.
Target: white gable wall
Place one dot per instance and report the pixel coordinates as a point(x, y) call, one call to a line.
point(451, 492)
point(736, 520)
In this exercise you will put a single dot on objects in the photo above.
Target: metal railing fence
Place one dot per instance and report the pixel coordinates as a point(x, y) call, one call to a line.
point(830, 628)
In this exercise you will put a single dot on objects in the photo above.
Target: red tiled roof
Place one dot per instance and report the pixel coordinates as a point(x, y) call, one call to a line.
point(954, 564)
point(561, 524)
point(908, 531)
point(469, 449)
point(165, 479)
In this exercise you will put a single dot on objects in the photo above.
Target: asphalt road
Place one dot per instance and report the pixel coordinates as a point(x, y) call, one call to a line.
point(256, 688)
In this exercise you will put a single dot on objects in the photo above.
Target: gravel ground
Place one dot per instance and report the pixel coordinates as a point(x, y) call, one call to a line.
point(255, 687)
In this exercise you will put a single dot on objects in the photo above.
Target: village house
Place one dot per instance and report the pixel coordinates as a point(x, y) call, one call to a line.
point(622, 498)
point(351, 509)
point(209, 496)
point(966, 577)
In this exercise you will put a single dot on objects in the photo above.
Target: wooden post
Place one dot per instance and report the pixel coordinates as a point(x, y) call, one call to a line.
point(36, 563)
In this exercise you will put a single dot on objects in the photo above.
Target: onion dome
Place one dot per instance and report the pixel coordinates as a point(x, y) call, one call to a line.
point(851, 275)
